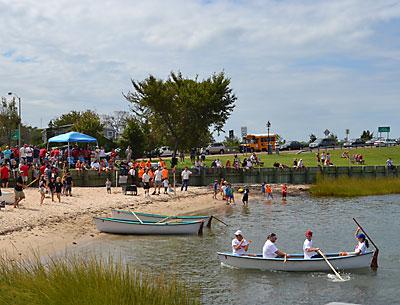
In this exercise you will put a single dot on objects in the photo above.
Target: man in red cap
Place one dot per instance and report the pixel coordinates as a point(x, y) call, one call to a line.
point(308, 246)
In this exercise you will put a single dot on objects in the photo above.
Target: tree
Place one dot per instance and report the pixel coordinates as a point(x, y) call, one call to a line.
point(367, 135)
point(133, 135)
point(312, 138)
point(333, 137)
point(9, 121)
point(180, 110)
point(116, 121)
point(232, 142)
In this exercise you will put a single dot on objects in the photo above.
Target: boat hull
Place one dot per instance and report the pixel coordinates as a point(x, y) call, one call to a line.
point(297, 264)
point(122, 214)
point(118, 226)
point(8, 197)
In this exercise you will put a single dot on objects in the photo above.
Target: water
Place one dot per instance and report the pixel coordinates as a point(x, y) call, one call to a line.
point(194, 258)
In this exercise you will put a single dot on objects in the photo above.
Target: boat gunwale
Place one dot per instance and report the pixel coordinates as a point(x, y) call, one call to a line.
point(127, 221)
point(293, 259)
point(163, 216)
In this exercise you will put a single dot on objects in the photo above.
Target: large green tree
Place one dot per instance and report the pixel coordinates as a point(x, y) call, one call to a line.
point(133, 136)
point(9, 121)
point(183, 112)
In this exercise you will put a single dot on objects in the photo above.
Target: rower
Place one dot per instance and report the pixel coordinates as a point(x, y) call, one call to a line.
point(239, 244)
point(308, 246)
point(270, 250)
point(363, 244)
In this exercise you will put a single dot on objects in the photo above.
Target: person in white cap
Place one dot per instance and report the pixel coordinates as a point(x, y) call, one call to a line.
point(239, 244)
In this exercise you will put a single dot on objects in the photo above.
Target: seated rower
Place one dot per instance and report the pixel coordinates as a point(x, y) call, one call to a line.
point(239, 244)
point(308, 246)
point(363, 244)
point(270, 250)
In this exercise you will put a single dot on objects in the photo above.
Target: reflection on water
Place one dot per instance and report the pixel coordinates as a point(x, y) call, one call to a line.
point(194, 258)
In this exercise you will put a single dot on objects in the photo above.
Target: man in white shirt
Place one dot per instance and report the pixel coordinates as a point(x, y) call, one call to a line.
point(308, 246)
point(185, 178)
point(239, 244)
point(270, 250)
point(157, 180)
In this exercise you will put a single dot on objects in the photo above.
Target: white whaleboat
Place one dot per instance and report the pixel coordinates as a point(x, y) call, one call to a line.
point(128, 215)
point(296, 262)
point(140, 227)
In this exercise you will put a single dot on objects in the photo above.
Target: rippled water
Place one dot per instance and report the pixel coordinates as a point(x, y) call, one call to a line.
point(194, 257)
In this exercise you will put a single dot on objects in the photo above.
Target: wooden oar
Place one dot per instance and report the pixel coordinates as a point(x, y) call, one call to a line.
point(330, 265)
point(219, 220)
point(374, 262)
point(164, 219)
point(32, 182)
point(134, 214)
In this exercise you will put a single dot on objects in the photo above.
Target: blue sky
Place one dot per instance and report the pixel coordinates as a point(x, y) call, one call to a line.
point(306, 66)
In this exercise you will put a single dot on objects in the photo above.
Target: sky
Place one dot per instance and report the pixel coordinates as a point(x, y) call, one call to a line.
point(306, 66)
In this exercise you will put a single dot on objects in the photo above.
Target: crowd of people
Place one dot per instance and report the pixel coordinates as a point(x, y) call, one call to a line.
point(240, 246)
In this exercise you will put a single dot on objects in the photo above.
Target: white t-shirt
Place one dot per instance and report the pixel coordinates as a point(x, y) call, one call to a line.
point(22, 152)
point(146, 178)
point(165, 183)
point(269, 249)
point(186, 174)
point(28, 152)
point(307, 244)
point(158, 175)
point(361, 247)
point(132, 172)
point(241, 250)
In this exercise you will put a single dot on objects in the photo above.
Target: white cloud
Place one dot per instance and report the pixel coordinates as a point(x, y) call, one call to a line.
point(82, 54)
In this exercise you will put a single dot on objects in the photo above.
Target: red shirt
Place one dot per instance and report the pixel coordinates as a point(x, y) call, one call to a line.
point(16, 152)
point(42, 168)
point(24, 170)
point(42, 152)
point(5, 172)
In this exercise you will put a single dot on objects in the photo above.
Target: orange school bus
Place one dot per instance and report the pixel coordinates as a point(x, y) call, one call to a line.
point(257, 142)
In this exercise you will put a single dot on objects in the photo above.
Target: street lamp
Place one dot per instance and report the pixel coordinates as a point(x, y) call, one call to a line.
point(19, 114)
point(269, 145)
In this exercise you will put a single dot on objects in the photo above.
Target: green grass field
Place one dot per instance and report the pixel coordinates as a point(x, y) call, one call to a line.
point(353, 187)
point(372, 156)
point(72, 281)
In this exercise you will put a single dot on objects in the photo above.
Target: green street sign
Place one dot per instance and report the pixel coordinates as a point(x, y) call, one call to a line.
point(15, 135)
point(384, 129)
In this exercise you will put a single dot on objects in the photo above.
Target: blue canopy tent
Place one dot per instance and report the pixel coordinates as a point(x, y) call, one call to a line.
point(71, 137)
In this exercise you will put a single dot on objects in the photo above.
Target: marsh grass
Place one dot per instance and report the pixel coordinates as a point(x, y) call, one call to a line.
point(353, 187)
point(89, 281)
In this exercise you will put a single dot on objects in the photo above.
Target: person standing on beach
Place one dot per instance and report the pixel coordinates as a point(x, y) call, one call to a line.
point(215, 188)
point(157, 180)
point(146, 183)
point(19, 191)
point(263, 188)
point(5, 174)
point(108, 186)
point(58, 188)
point(185, 178)
point(51, 187)
point(68, 184)
point(42, 189)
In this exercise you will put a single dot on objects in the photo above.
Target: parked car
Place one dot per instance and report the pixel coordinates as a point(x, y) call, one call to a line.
point(327, 142)
point(165, 151)
point(291, 145)
point(354, 143)
point(372, 141)
point(385, 142)
point(215, 148)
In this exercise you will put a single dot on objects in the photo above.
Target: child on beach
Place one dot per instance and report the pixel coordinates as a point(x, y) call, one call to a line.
point(108, 186)
point(42, 188)
point(284, 191)
point(245, 198)
point(68, 184)
point(268, 190)
point(215, 187)
point(229, 194)
point(58, 186)
point(51, 187)
point(165, 185)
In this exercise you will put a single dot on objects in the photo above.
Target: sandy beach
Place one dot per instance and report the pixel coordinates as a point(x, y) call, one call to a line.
point(53, 226)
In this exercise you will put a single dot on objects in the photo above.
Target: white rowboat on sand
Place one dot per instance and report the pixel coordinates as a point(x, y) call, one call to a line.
point(123, 226)
point(297, 262)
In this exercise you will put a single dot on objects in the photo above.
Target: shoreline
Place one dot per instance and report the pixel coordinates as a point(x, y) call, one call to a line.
point(52, 227)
